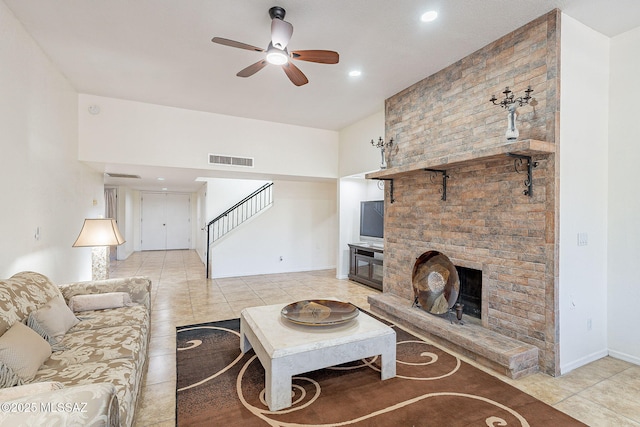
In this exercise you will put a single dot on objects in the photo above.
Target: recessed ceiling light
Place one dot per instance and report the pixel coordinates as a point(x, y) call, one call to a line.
point(429, 16)
point(164, 188)
point(160, 179)
point(355, 73)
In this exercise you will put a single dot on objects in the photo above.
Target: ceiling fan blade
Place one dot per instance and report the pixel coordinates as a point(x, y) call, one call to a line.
point(296, 76)
point(233, 43)
point(252, 69)
point(281, 32)
point(321, 56)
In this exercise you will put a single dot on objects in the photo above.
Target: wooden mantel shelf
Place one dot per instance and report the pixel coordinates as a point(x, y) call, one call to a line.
point(527, 147)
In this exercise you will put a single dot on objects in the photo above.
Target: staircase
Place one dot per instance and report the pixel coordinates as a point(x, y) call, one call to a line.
point(227, 221)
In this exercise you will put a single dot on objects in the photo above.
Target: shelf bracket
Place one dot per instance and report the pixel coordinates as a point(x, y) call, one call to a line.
point(445, 177)
point(518, 162)
point(391, 198)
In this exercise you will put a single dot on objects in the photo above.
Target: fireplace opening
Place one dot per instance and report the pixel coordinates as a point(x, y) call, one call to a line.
point(470, 291)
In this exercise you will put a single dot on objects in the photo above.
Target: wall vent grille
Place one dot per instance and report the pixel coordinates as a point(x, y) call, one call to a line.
point(219, 159)
point(122, 175)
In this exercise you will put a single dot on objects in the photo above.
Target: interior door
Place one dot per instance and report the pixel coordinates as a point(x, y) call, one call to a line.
point(178, 216)
point(165, 221)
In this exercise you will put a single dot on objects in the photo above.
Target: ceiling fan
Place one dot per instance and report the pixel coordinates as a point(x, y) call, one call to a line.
point(277, 53)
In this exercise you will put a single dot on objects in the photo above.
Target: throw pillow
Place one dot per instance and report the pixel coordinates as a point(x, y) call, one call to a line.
point(22, 352)
point(99, 301)
point(52, 320)
point(8, 378)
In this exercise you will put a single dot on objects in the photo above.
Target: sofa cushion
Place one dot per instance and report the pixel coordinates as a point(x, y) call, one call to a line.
point(121, 342)
point(85, 405)
point(122, 373)
point(30, 291)
point(8, 312)
point(23, 351)
point(52, 320)
point(99, 301)
point(98, 319)
point(11, 393)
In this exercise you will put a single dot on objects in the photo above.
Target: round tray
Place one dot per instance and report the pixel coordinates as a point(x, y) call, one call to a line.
point(319, 312)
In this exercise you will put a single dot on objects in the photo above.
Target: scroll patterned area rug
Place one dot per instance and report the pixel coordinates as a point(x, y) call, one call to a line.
point(217, 385)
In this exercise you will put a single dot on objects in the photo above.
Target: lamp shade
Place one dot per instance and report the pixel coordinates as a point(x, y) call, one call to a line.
point(99, 232)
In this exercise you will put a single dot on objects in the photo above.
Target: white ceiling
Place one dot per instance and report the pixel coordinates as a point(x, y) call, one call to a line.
point(160, 51)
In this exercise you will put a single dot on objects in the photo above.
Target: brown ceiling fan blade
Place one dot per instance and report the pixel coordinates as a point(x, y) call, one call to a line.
point(321, 56)
point(296, 76)
point(252, 69)
point(233, 43)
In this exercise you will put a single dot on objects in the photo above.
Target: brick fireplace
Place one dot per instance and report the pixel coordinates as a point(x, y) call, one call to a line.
point(486, 223)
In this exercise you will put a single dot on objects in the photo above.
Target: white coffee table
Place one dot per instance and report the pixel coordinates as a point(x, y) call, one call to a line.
point(286, 349)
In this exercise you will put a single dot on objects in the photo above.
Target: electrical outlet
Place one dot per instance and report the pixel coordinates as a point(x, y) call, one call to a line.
point(583, 239)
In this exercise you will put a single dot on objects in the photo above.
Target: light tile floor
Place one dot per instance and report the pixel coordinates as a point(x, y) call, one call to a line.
point(602, 393)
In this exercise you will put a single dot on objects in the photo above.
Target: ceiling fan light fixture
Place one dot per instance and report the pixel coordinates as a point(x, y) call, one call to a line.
point(277, 56)
point(277, 53)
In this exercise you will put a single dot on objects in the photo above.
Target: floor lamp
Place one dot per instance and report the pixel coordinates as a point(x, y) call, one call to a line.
point(99, 234)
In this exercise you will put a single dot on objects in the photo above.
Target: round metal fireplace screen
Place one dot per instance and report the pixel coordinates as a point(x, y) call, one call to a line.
point(435, 282)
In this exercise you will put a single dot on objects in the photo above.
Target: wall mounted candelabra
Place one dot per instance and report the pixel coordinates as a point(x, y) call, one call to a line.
point(511, 103)
point(382, 146)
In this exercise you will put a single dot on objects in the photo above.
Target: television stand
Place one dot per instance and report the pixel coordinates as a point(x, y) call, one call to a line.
point(365, 264)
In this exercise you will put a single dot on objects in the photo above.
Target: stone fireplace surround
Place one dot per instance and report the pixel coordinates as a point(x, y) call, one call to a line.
point(445, 122)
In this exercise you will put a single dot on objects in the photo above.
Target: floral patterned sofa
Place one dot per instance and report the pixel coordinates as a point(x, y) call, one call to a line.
point(64, 367)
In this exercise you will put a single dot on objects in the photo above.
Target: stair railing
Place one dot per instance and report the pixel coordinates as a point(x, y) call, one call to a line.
point(237, 214)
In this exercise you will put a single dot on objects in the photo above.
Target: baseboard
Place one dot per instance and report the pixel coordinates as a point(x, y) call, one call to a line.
point(626, 357)
point(253, 273)
point(565, 369)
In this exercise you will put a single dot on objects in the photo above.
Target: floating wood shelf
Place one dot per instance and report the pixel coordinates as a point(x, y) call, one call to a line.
point(527, 147)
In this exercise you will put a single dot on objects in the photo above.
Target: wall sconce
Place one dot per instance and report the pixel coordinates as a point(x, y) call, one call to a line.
point(511, 103)
point(99, 234)
point(382, 145)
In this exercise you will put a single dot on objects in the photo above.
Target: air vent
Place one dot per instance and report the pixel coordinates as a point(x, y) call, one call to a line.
point(219, 159)
point(122, 175)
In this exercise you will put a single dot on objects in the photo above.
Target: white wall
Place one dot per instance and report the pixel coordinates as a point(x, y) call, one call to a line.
point(301, 226)
point(583, 194)
point(41, 182)
point(128, 132)
point(356, 154)
point(220, 194)
point(224, 193)
point(624, 200)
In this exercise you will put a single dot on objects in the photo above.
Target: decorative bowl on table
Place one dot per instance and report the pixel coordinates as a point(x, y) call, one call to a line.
point(320, 312)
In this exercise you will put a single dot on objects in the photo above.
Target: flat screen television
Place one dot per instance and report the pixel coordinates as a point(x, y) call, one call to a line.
point(372, 219)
